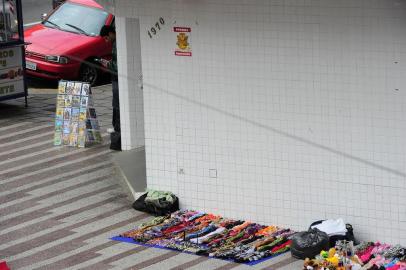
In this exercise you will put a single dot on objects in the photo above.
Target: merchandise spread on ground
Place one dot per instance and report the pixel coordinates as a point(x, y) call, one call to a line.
point(212, 235)
point(365, 256)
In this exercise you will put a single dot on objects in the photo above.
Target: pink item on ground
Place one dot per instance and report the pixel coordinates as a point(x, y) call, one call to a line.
point(402, 265)
point(380, 248)
point(366, 254)
point(378, 260)
point(3, 266)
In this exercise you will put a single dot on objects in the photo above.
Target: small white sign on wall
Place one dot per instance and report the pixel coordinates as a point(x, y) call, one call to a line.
point(183, 39)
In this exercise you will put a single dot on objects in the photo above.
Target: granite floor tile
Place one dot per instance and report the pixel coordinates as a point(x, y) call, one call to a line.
point(60, 205)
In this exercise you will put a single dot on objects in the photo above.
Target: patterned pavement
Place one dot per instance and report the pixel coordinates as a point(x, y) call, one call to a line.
point(60, 205)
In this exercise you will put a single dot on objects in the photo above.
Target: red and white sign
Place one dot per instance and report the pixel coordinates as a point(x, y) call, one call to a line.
point(183, 37)
point(182, 29)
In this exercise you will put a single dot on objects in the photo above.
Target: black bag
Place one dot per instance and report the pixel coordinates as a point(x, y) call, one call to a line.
point(309, 243)
point(349, 236)
point(141, 205)
point(115, 141)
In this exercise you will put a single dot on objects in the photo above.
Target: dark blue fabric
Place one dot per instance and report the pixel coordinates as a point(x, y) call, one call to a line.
point(202, 232)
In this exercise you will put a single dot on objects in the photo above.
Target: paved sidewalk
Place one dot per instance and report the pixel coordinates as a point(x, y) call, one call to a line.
point(60, 205)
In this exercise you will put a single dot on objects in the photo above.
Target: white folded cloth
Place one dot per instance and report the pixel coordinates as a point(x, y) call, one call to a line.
point(200, 239)
point(332, 227)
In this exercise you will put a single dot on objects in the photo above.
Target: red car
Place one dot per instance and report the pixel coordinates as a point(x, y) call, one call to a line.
point(67, 44)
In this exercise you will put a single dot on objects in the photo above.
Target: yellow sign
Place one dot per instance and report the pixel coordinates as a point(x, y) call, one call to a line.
point(182, 41)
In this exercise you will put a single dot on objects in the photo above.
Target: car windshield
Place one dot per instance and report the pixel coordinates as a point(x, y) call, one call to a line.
point(77, 18)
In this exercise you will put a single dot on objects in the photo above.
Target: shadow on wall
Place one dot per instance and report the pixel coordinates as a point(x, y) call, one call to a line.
point(280, 132)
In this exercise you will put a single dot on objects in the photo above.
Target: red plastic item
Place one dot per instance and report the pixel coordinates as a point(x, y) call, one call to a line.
point(3, 266)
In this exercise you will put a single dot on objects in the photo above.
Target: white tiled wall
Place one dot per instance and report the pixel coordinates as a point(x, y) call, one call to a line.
point(289, 111)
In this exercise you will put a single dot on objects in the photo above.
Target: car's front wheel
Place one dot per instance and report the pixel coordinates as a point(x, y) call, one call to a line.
point(89, 73)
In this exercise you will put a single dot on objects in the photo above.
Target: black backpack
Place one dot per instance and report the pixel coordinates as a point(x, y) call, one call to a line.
point(141, 205)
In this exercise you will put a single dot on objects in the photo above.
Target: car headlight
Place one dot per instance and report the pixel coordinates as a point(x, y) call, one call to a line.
point(57, 59)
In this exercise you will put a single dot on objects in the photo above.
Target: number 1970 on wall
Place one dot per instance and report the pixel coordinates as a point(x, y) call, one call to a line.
point(154, 30)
